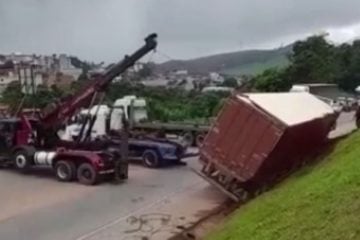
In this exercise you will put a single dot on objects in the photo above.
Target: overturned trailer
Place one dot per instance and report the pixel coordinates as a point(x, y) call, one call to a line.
point(257, 138)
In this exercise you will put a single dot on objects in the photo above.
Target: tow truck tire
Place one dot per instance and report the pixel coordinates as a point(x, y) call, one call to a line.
point(188, 138)
point(23, 159)
point(87, 175)
point(65, 171)
point(151, 159)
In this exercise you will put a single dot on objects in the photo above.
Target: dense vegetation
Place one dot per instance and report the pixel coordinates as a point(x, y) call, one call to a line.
point(163, 104)
point(315, 60)
point(171, 104)
point(311, 60)
point(320, 202)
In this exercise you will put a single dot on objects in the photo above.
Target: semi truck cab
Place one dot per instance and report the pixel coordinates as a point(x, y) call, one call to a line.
point(133, 108)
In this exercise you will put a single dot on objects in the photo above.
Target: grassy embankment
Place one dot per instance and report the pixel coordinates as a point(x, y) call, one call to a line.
point(318, 202)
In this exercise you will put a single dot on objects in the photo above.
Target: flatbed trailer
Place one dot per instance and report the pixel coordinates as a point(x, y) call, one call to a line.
point(192, 133)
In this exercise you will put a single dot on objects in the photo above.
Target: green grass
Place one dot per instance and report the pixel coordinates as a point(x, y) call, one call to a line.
point(257, 67)
point(320, 202)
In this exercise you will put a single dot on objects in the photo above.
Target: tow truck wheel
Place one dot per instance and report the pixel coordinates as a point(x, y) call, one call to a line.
point(188, 138)
point(22, 160)
point(65, 171)
point(150, 159)
point(87, 175)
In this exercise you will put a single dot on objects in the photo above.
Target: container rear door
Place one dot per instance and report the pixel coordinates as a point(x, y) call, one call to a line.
point(212, 147)
point(241, 139)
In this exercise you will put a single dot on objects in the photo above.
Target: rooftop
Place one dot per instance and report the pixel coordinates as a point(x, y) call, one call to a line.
point(290, 108)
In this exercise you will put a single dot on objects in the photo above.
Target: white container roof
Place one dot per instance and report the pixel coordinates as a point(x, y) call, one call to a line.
point(290, 108)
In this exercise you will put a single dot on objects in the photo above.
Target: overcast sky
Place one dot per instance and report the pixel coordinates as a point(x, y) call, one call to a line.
point(108, 29)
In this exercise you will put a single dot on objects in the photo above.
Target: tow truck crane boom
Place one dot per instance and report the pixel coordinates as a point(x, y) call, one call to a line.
point(56, 114)
point(30, 142)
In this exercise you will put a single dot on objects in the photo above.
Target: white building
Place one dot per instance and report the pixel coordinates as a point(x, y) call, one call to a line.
point(66, 67)
point(216, 77)
point(19, 57)
point(6, 77)
point(181, 72)
point(30, 78)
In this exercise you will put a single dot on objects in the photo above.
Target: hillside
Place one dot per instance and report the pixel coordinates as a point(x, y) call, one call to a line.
point(242, 62)
point(321, 202)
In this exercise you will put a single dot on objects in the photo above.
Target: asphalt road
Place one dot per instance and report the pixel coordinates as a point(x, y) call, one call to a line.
point(345, 125)
point(37, 207)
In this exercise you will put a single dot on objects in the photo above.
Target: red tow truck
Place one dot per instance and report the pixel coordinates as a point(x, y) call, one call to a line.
point(27, 142)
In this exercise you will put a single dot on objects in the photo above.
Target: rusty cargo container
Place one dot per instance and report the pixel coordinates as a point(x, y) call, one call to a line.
point(259, 137)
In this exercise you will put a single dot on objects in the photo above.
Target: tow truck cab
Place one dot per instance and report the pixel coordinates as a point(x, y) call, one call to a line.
point(9, 134)
point(17, 148)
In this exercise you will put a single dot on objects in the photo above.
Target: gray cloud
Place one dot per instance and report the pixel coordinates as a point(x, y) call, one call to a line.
point(212, 25)
point(107, 29)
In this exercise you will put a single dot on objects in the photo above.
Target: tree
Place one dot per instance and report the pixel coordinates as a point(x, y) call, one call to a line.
point(84, 65)
point(230, 82)
point(57, 92)
point(313, 61)
point(349, 65)
point(12, 95)
point(273, 80)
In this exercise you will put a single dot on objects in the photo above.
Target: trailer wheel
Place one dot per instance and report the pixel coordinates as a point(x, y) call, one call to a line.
point(151, 159)
point(22, 160)
point(65, 171)
point(200, 139)
point(87, 175)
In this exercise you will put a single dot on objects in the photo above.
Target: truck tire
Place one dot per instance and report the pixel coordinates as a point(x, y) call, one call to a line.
point(151, 159)
point(124, 171)
point(65, 171)
point(23, 159)
point(87, 175)
point(200, 139)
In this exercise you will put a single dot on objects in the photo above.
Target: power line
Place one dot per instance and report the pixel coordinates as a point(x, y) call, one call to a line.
point(164, 55)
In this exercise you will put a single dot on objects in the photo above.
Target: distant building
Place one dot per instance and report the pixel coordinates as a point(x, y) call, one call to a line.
point(216, 77)
point(331, 91)
point(156, 83)
point(7, 76)
point(66, 67)
point(217, 89)
point(181, 72)
point(30, 77)
point(19, 57)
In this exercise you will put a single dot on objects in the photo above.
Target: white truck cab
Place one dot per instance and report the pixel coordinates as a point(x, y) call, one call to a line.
point(299, 88)
point(139, 112)
point(121, 108)
point(99, 128)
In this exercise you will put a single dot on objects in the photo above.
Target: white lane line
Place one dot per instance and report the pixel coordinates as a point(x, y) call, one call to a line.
point(118, 220)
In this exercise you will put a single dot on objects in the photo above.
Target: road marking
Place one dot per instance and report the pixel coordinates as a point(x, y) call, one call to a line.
point(120, 219)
